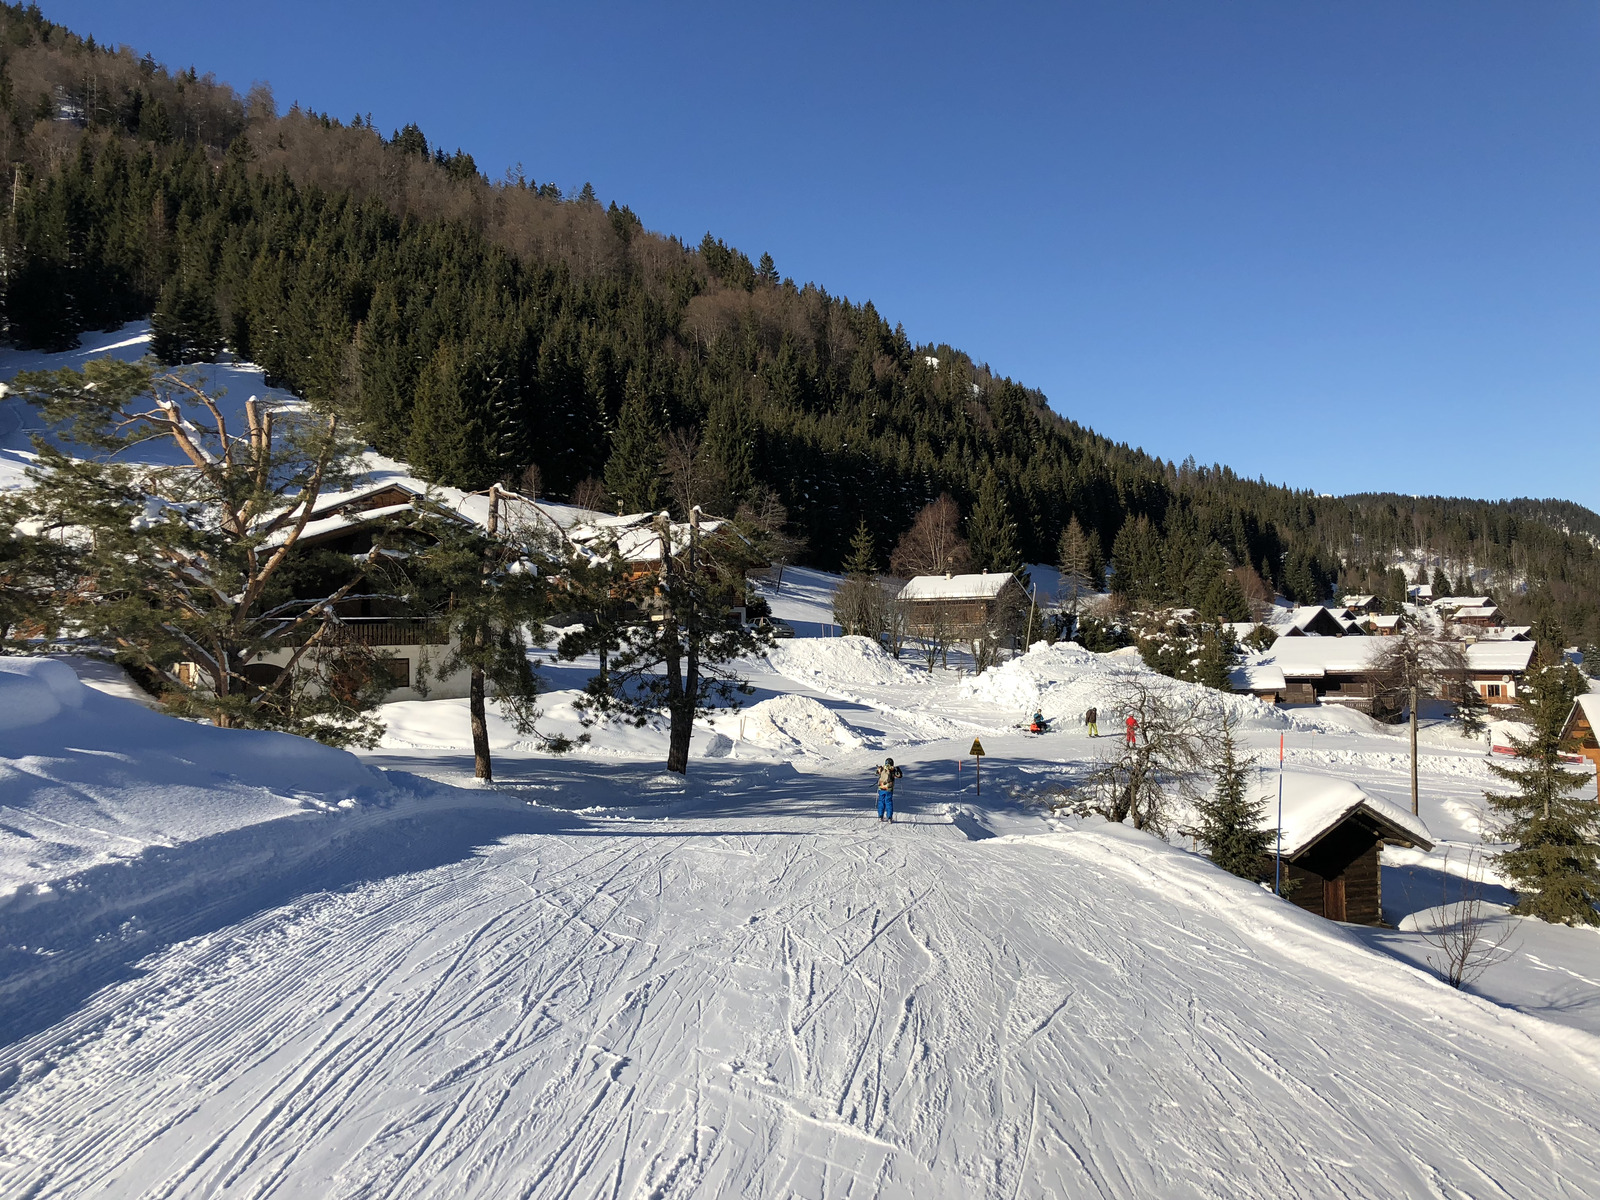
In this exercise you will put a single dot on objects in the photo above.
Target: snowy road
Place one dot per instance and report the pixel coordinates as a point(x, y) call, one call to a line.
point(795, 1001)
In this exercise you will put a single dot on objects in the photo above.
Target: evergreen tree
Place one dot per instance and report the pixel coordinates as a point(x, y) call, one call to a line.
point(633, 472)
point(1441, 582)
point(184, 327)
point(449, 438)
point(1231, 823)
point(489, 601)
point(1472, 710)
point(859, 603)
point(1213, 664)
point(206, 580)
point(1554, 827)
point(863, 560)
point(991, 532)
point(766, 269)
point(683, 660)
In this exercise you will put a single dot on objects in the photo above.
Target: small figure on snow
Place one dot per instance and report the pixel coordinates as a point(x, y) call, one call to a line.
point(1091, 721)
point(887, 774)
point(1037, 725)
point(1132, 726)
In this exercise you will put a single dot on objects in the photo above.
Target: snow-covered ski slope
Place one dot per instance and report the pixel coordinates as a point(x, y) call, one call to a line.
point(238, 964)
point(603, 981)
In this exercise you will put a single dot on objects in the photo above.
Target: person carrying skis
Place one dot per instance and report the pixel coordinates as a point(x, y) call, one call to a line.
point(1092, 720)
point(887, 774)
point(1132, 725)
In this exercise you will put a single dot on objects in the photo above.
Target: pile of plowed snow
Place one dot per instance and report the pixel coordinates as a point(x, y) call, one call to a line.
point(86, 778)
point(1064, 680)
point(791, 725)
point(841, 662)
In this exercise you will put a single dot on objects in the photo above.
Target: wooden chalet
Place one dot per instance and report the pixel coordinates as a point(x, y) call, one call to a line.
point(1581, 734)
point(965, 605)
point(1496, 668)
point(1485, 616)
point(1326, 670)
point(1362, 604)
point(1331, 834)
point(1450, 604)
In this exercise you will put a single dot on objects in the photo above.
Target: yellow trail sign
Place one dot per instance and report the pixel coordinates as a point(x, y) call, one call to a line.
point(977, 749)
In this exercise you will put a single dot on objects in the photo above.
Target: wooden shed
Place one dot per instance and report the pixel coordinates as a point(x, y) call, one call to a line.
point(1331, 833)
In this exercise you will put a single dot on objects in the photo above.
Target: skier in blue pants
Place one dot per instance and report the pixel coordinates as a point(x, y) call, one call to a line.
point(887, 774)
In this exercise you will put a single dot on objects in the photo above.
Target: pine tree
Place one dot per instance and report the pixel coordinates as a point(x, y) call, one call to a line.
point(1471, 710)
point(633, 472)
point(766, 269)
point(184, 327)
point(448, 434)
point(859, 604)
point(863, 560)
point(1214, 664)
point(1441, 582)
point(1231, 823)
point(991, 532)
point(1553, 826)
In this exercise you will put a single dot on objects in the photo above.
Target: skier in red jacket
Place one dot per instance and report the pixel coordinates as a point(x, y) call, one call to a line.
point(1132, 725)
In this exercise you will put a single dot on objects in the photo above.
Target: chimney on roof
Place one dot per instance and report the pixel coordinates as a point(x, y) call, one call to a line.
point(948, 575)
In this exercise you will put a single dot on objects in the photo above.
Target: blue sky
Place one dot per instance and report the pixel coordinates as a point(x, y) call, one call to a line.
point(1349, 246)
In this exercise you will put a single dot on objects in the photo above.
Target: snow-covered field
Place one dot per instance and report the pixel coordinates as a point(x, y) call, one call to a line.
point(240, 964)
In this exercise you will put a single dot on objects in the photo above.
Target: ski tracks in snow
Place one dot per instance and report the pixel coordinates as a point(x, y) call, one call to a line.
point(811, 1005)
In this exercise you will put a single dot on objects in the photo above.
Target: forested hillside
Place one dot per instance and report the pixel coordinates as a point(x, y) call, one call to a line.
point(490, 330)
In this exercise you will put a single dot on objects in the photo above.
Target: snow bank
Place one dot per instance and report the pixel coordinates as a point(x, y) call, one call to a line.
point(87, 778)
point(793, 725)
point(1064, 680)
point(36, 690)
point(836, 662)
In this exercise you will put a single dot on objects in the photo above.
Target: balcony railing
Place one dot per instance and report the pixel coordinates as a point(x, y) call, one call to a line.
point(390, 631)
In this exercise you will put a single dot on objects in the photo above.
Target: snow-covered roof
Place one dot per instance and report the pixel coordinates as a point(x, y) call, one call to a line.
point(956, 587)
point(1257, 677)
point(1421, 591)
point(1314, 804)
point(1476, 612)
point(1505, 633)
point(1500, 656)
point(1461, 601)
point(337, 522)
point(1589, 706)
point(1382, 622)
point(1356, 601)
point(1312, 657)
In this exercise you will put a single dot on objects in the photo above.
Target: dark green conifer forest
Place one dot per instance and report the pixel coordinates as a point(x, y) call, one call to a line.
point(481, 328)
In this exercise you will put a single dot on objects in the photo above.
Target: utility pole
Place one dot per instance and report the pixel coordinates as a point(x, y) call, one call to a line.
point(1413, 746)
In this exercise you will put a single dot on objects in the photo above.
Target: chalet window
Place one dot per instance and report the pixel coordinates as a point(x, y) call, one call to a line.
point(1492, 691)
point(396, 670)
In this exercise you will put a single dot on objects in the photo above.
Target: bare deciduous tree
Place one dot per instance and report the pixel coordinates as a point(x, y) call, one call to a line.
point(591, 494)
point(1166, 762)
point(692, 477)
point(933, 545)
point(1463, 941)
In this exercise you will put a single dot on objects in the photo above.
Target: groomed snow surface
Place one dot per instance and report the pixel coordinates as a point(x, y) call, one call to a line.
point(238, 964)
